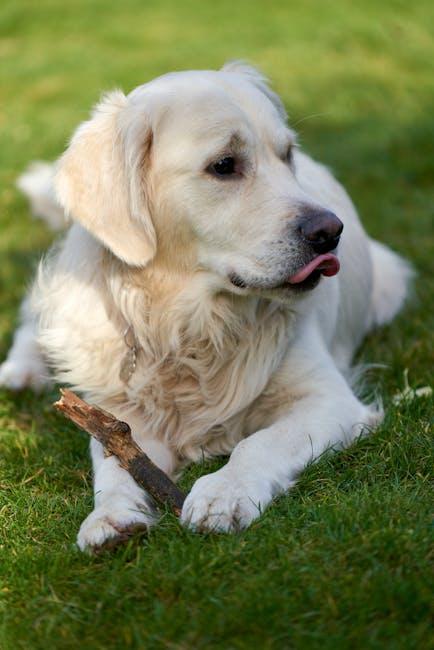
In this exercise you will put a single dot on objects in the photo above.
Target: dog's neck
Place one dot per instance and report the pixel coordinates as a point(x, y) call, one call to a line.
point(184, 310)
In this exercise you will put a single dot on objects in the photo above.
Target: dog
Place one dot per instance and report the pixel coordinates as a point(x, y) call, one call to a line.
point(211, 291)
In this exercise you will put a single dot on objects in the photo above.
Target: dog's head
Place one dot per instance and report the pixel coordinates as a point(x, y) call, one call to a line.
point(195, 171)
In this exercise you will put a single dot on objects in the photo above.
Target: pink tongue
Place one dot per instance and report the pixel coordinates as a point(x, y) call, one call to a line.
point(328, 264)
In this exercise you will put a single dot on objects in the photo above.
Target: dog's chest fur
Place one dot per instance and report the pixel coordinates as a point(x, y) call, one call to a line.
point(202, 359)
point(197, 394)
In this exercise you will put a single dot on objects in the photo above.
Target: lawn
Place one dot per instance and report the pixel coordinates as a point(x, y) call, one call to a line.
point(343, 561)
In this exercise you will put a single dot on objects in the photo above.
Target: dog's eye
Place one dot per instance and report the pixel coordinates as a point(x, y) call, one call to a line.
point(223, 167)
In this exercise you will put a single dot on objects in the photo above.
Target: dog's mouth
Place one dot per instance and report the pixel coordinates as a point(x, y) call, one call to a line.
point(309, 275)
point(305, 278)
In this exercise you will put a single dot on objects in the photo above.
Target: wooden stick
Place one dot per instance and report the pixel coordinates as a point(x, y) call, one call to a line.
point(116, 438)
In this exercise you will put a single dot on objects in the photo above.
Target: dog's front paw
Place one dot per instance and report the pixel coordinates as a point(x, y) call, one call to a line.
point(221, 502)
point(17, 374)
point(106, 526)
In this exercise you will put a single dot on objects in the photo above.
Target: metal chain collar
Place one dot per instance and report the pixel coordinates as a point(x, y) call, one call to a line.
point(129, 362)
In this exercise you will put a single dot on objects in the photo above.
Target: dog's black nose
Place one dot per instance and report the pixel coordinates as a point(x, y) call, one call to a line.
point(321, 229)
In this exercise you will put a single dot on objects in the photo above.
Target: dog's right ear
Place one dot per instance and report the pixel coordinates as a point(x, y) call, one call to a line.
point(101, 184)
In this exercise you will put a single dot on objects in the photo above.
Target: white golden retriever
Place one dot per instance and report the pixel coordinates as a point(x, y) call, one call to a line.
point(199, 295)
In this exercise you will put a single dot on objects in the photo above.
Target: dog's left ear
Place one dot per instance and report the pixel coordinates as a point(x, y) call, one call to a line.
point(100, 181)
point(256, 77)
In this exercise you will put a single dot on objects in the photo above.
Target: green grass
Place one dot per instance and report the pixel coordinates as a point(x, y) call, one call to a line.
point(344, 560)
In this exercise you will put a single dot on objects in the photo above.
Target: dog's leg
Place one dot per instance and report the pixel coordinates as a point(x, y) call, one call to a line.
point(121, 506)
point(324, 413)
point(24, 366)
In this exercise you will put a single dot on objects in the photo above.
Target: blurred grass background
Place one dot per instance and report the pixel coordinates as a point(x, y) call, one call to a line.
point(344, 560)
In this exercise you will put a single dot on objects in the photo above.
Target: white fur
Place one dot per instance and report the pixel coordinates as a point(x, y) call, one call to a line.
point(255, 372)
point(390, 270)
point(37, 184)
point(25, 366)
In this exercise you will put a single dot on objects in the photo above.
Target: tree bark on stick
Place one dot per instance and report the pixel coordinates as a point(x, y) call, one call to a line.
point(116, 438)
